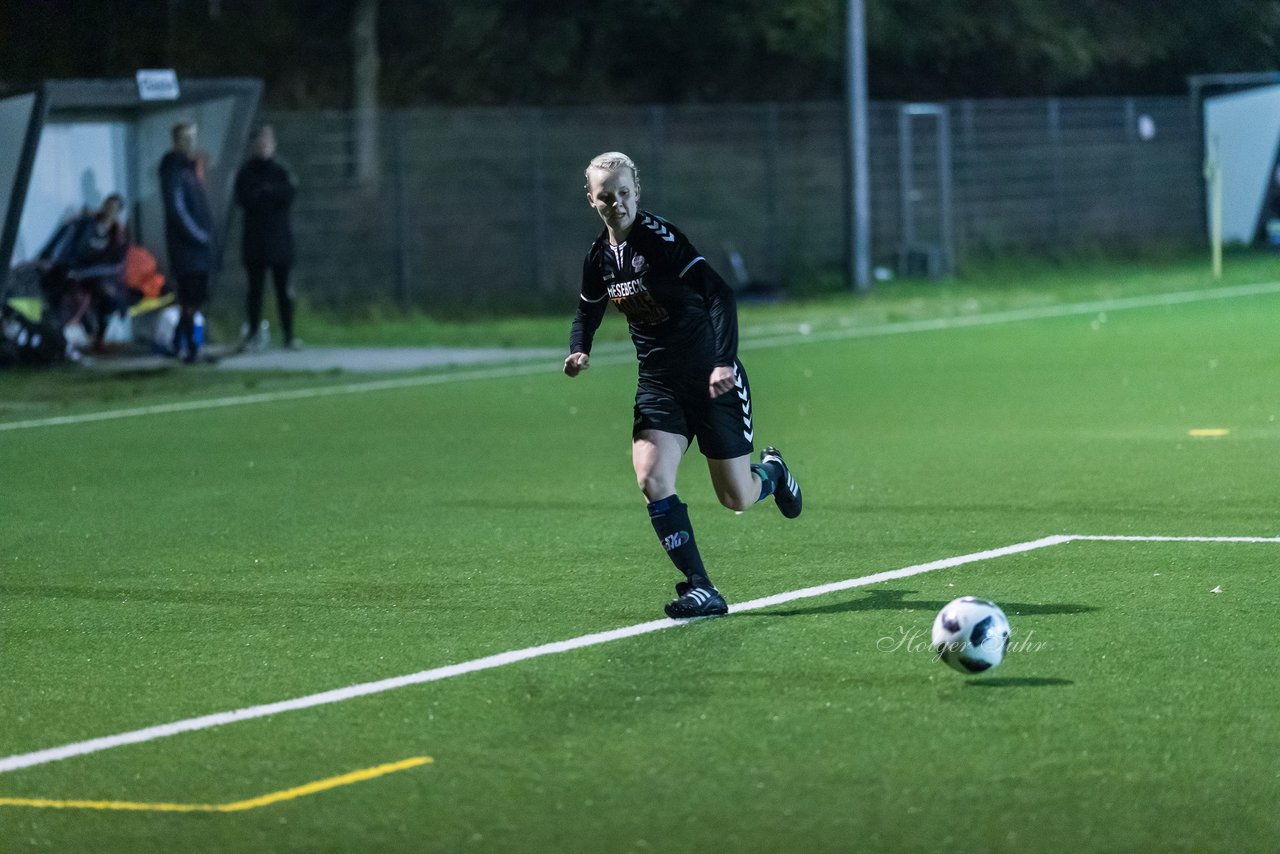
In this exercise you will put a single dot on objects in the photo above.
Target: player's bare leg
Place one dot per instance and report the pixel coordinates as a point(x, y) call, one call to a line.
point(739, 484)
point(736, 485)
point(655, 455)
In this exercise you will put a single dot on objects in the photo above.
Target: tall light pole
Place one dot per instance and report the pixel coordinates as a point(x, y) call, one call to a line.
point(859, 168)
point(366, 67)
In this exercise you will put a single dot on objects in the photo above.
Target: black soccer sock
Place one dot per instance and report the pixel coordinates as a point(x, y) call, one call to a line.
point(769, 473)
point(670, 518)
point(284, 300)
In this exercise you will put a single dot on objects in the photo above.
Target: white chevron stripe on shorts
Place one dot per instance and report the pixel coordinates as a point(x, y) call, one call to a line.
point(748, 432)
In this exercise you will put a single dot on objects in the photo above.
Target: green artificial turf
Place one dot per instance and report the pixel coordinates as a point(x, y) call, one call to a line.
point(167, 566)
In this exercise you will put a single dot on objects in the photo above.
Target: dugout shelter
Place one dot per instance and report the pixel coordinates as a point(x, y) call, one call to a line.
point(1241, 123)
point(69, 144)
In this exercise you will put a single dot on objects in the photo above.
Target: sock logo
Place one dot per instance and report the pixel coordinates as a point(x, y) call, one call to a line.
point(671, 542)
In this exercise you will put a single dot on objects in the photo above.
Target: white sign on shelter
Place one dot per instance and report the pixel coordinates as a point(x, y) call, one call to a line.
point(157, 84)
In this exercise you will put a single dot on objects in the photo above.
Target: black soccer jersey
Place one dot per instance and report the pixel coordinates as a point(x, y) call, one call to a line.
point(681, 314)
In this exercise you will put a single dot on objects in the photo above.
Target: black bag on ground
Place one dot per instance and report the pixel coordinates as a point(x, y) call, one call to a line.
point(24, 342)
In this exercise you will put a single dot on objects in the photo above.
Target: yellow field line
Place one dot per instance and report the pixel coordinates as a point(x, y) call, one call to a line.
point(235, 806)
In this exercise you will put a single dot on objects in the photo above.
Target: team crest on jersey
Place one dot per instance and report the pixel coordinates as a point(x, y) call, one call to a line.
point(637, 263)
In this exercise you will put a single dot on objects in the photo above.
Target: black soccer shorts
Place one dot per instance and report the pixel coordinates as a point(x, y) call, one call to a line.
point(679, 403)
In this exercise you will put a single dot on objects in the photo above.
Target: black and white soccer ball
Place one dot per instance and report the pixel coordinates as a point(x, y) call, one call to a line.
point(971, 634)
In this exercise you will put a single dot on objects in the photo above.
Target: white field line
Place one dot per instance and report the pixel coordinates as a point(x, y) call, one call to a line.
point(1128, 539)
point(945, 563)
point(620, 357)
point(1023, 314)
point(501, 660)
point(276, 396)
point(338, 695)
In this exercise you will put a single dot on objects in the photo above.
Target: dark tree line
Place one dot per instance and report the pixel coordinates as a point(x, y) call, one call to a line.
point(577, 52)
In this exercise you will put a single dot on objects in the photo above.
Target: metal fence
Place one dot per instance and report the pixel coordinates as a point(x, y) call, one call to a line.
point(483, 209)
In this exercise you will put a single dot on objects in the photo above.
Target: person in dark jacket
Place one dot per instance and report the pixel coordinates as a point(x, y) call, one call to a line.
point(102, 266)
point(189, 234)
point(81, 268)
point(265, 188)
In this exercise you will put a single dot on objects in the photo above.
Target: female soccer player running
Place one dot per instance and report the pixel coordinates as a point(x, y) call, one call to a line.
point(684, 324)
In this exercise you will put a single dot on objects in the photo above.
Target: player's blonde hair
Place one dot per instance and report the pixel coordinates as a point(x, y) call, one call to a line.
point(609, 161)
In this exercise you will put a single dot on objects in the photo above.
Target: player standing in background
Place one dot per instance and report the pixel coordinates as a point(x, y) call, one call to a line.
point(265, 187)
point(189, 234)
point(684, 324)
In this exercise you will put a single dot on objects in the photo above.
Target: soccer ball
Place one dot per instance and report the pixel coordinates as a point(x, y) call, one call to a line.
point(971, 634)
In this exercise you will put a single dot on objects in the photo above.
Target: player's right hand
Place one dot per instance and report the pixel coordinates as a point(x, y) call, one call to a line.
point(576, 363)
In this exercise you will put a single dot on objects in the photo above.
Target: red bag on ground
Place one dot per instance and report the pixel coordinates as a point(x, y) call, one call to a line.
point(141, 273)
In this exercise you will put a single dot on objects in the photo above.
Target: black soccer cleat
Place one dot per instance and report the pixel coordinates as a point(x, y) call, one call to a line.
point(787, 492)
point(696, 602)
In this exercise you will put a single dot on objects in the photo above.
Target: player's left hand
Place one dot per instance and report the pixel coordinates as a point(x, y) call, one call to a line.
point(721, 380)
point(576, 363)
